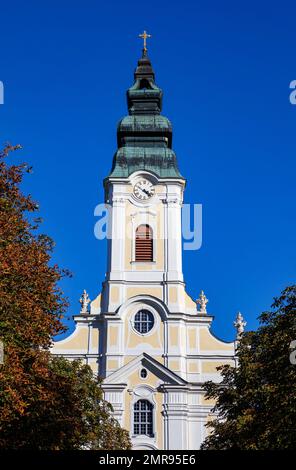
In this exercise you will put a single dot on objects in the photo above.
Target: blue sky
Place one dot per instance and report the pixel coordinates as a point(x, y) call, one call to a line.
point(225, 68)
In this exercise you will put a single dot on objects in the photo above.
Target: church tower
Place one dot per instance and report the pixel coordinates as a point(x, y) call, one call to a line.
point(143, 334)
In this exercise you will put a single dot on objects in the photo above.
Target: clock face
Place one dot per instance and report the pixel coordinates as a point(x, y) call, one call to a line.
point(143, 189)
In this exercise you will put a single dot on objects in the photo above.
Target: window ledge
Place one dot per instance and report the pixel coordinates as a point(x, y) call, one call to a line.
point(143, 262)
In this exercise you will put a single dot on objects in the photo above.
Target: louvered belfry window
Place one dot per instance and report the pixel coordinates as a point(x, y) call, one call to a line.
point(144, 243)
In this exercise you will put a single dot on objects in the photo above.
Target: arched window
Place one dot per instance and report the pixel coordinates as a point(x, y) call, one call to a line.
point(144, 243)
point(143, 418)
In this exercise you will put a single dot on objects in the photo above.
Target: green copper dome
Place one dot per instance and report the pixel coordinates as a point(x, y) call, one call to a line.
point(160, 161)
point(144, 137)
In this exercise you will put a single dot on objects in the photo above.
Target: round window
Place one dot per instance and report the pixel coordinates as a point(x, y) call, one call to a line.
point(143, 373)
point(144, 321)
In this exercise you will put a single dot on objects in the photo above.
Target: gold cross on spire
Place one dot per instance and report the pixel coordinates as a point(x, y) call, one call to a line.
point(144, 36)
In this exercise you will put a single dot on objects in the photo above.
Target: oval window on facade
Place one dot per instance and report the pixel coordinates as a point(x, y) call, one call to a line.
point(143, 373)
point(143, 321)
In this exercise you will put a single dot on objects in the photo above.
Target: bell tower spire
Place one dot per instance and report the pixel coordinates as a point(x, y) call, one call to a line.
point(144, 137)
point(144, 96)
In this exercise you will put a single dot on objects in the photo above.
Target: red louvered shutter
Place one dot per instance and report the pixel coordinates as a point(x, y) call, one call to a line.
point(144, 243)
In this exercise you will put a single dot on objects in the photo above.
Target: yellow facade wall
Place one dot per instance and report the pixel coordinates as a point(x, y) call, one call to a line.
point(189, 302)
point(112, 364)
point(127, 359)
point(114, 295)
point(95, 338)
point(205, 402)
point(192, 338)
point(209, 343)
point(174, 364)
point(96, 303)
point(154, 340)
point(193, 367)
point(153, 291)
point(173, 295)
point(112, 335)
point(210, 367)
point(78, 340)
point(173, 335)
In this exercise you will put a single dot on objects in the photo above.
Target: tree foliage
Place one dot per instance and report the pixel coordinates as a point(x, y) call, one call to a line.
point(74, 414)
point(256, 402)
point(45, 403)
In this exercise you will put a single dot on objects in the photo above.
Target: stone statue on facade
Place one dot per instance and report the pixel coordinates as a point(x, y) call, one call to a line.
point(202, 303)
point(239, 325)
point(84, 302)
